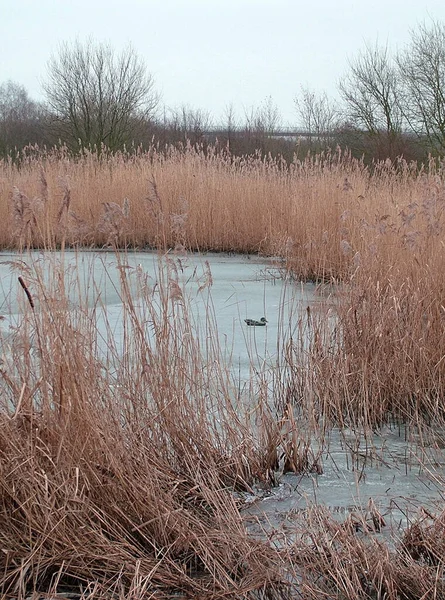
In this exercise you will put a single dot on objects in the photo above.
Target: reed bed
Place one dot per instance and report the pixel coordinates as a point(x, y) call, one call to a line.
point(377, 353)
point(351, 560)
point(122, 474)
point(121, 465)
point(193, 199)
point(124, 465)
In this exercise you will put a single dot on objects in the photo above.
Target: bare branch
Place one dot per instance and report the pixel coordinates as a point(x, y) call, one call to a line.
point(422, 70)
point(319, 116)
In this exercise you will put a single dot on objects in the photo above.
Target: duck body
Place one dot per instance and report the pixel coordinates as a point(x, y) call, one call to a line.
point(254, 323)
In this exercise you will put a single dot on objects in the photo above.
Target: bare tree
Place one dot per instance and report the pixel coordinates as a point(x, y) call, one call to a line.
point(98, 98)
point(230, 125)
point(318, 117)
point(422, 71)
point(21, 119)
point(230, 119)
point(263, 120)
point(188, 124)
point(371, 92)
point(268, 116)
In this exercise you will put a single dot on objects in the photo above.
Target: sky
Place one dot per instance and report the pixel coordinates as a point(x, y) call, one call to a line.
point(209, 54)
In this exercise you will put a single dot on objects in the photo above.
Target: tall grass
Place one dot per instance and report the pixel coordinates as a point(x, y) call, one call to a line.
point(119, 462)
point(202, 201)
point(377, 354)
point(122, 472)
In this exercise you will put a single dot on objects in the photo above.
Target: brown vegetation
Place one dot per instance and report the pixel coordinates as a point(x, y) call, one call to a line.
point(126, 479)
point(118, 476)
point(330, 219)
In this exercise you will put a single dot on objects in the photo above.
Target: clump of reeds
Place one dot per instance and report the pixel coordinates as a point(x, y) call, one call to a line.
point(119, 462)
point(113, 223)
point(25, 212)
point(202, 200)
point(351, 560)
point(375, 353)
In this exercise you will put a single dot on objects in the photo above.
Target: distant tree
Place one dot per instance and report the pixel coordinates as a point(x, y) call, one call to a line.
point(371, 92)
point(230, 119)
point(98, 98)
point(260, 128)
point(21, 119)
point(422, 72)
point(269, 117)
point(263, 120)
point(230, 124)
point(318, 117)
point(188, 124)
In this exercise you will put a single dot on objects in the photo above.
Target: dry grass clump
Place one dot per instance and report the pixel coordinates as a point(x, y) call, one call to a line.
point(424, 540)
point(118, 460)
point(376, 350)
point(191, 198)
point(107, 514)
point(351, 561)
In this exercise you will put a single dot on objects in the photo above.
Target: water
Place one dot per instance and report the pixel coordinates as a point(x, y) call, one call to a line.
point(241, 288)
point(390, 476)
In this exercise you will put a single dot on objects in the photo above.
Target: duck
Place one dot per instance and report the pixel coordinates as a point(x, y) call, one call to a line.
point(254, 323)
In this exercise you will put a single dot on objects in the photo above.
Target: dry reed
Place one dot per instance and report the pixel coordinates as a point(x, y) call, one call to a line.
point(350, 561)
point(141, 467)
point(118, 470)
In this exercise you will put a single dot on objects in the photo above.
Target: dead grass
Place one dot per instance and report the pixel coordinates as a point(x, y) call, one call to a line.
point(118, 471)
point(351, 561)
point(122, 479)
point(376, 350)
point(203, 201)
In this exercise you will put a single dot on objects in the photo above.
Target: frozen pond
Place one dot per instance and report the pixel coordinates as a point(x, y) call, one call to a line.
point(241, 288)
point(387, 475)
point(398, 477)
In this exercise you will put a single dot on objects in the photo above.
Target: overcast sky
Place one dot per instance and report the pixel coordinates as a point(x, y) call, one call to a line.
point(210, 53)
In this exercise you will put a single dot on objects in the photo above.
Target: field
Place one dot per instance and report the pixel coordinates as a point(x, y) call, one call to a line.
point(128, 482)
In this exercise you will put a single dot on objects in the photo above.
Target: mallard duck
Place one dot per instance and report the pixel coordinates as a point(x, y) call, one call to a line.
point(254, 323)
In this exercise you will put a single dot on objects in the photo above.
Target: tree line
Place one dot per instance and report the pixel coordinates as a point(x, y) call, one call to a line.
point(391, 104)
